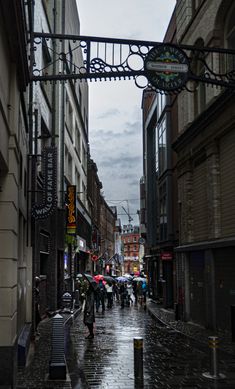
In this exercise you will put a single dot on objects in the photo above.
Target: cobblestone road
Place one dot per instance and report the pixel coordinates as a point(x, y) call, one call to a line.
point(170, 359)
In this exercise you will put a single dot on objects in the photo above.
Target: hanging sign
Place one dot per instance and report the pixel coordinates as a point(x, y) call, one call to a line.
point(49, 202)
point(167, 256)
point(167, 67)
point(71, 209)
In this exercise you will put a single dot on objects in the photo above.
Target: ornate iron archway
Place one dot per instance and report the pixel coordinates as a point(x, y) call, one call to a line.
point(165, 68)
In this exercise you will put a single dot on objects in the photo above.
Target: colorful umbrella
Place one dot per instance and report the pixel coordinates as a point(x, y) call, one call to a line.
point(121, 279)
point(98, 277)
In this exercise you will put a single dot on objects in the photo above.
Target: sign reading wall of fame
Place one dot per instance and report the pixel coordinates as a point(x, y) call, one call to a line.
point(71, 209)
point(167, 67)
point(49, 201)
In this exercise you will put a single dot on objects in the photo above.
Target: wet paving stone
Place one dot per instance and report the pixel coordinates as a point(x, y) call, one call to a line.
point(170, 360)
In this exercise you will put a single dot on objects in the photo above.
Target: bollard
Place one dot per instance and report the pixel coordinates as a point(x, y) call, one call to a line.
point(67, 302)
point(57, 367)
point(214, 366)
point(138, 361)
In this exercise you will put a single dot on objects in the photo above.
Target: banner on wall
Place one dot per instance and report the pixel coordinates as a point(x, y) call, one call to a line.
point(49, 169)
point(71, 210)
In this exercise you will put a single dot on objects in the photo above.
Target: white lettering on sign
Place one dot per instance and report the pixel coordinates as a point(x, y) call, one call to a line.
point(167, 67)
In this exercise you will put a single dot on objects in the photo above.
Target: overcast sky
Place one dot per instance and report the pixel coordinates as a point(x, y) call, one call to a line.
point(115, 106)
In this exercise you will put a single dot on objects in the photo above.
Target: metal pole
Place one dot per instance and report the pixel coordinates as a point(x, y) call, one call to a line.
point(213, 342)
point(138, 362)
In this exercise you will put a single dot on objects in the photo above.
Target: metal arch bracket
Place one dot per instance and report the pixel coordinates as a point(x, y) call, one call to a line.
point(110, 58)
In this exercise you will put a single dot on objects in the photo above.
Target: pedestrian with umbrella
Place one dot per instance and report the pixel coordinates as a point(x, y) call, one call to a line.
point(89, 309)
point(100, 293)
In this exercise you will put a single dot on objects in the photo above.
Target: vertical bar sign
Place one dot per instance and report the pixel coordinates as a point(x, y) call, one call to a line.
point(71, 209)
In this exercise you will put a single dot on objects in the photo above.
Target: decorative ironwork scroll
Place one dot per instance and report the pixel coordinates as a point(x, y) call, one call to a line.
point(172, 68)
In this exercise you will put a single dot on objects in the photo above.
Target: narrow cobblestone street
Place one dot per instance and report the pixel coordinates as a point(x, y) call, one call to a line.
point(171, 360)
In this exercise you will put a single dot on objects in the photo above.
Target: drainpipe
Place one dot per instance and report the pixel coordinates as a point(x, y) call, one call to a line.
point(32, 161)
point(53, 129)
point(62, 117)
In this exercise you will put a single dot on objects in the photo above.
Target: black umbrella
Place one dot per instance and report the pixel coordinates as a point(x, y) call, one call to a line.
point(91, 280)
point(109, 279)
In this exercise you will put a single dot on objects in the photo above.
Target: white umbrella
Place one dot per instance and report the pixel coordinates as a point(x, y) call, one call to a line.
point(128, 276)
point(139, 279)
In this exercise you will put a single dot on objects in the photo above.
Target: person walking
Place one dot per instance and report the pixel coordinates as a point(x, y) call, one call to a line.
point(129, 293)
point(122, 291)
point(144, 290)
point(109, 291)
point(100, 296)
point(140, 292)
point(37, 304)
point(89, 309)
point(134, 285)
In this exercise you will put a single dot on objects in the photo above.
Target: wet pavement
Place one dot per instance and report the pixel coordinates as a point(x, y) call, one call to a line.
point(170, 359)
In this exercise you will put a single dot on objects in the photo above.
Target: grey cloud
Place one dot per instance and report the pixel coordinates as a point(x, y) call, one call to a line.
point(122, 161)
point(130, 130)
point(110, 112)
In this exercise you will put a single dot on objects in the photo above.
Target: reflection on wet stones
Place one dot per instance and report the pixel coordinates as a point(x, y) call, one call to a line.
point(108, 360)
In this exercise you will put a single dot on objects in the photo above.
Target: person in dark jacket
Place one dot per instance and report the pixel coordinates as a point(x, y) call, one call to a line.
point(37, 304)
point(89, 311)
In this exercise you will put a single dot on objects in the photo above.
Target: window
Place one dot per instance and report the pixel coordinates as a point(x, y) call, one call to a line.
point(21, 169)
point(230, 39)
point(84, 192)
point(163, 212)
point(157, 152)
point(25, 183)
point(77, 140)
point(162, 155)
point(69, 117)
point(195, 5)
point(70, 164)
point(84, 158)
point(70, 59)
point(47, 68)
point(200, 90)
point(161, 104)
point(78, 181)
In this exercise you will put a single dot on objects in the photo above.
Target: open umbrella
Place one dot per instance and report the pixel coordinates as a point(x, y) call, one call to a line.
point(90, 279)
point(128, 276)
point(121, 279)
point(139, 279)
point(109, 279)
point(98, 277)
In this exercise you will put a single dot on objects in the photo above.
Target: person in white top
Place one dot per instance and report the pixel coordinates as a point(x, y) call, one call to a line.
point(109, 291)
point(129, 293)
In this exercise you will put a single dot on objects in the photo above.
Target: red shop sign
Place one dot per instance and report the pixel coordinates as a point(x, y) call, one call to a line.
point(166, 256)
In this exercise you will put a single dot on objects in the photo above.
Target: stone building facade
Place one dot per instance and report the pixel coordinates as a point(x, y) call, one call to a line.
point(205, 148)
point(159, 188)
point(15, 250)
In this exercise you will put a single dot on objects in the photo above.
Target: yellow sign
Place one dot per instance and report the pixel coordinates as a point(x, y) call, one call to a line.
point(71, 209)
